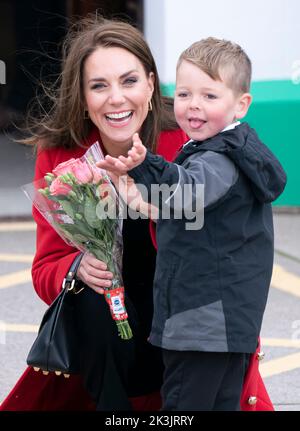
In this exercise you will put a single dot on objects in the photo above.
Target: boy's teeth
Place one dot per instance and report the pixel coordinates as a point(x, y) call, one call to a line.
point(118, 115)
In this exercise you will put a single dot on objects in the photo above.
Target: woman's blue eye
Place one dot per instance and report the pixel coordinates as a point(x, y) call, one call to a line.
point(131, 80)
point(97, 86)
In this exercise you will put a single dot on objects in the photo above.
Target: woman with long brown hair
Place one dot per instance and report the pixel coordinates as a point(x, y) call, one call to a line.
point(108, 89)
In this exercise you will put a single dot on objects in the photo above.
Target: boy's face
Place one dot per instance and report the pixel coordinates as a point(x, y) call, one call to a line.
point(204, 107)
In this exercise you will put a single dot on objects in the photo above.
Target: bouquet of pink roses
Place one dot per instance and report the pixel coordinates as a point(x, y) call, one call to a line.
point(81, 204)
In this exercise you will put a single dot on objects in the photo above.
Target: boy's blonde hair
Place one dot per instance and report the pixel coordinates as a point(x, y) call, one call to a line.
point(219, 56)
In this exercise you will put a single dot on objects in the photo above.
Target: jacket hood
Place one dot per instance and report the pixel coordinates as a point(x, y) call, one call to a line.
point(253, 158)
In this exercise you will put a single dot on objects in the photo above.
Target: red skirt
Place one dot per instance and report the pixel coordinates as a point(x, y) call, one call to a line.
point(39, 392)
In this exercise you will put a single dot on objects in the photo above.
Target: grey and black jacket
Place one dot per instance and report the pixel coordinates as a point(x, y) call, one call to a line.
point(211, 284)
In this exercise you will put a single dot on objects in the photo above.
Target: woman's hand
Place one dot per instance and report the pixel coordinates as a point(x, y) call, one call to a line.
point(93, 273)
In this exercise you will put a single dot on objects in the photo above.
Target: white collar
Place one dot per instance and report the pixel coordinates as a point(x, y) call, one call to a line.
point(231, 126)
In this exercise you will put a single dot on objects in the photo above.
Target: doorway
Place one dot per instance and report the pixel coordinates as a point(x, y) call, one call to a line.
point(130, 10)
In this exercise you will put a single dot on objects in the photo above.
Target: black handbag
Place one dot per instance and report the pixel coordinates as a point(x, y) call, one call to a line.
point(56, 346)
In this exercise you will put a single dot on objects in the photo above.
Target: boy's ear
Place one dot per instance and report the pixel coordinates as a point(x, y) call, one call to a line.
point(243, 104)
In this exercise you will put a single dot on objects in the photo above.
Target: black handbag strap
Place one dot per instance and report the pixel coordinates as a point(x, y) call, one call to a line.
point(70, 280)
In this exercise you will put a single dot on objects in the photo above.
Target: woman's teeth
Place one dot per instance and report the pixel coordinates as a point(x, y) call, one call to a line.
point(119, 115)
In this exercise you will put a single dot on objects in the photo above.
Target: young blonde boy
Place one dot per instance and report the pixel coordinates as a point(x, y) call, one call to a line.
point(211, 284)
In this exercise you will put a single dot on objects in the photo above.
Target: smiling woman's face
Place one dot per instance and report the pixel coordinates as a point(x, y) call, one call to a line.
point(117, 93)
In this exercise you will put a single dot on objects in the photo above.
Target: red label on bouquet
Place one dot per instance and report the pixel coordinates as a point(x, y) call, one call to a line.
point(115, 300)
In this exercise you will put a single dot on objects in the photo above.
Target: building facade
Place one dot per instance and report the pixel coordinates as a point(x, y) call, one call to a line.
point(268, 30)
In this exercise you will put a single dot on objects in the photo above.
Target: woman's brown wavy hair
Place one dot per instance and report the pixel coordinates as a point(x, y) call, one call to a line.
point(63, 124)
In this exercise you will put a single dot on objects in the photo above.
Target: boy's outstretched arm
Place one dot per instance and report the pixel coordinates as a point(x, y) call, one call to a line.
point(117, 169)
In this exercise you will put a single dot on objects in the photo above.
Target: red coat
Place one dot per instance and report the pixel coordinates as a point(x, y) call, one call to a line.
point(35, 391)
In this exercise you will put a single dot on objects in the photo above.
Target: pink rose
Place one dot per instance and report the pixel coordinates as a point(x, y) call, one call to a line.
point(57, 187)
point(64, 167)
point(82, 172)
point(97, 174)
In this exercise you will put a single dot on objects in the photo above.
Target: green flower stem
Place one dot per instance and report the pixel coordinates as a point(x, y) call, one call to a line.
point(124, 330)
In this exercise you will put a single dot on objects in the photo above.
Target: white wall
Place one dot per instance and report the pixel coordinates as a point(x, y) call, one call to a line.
point(155, 32)
point(269, 31)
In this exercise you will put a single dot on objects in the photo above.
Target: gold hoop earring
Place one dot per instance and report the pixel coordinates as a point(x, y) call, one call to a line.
point(150, 105)
point(86, 114)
